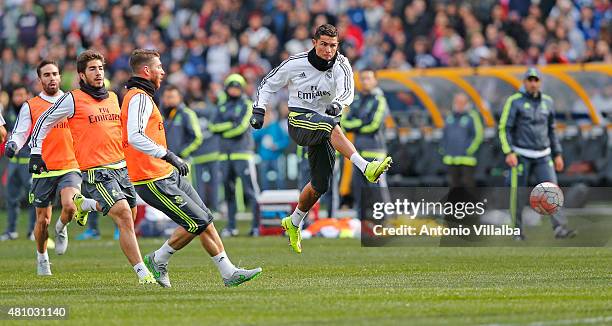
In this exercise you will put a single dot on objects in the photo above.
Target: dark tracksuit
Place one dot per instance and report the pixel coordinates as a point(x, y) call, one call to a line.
point(364, 119)
point(205, 160)
point(462, 136)
point(183, 133)
point(236, 147)
point(527, 124)
point(19, 179)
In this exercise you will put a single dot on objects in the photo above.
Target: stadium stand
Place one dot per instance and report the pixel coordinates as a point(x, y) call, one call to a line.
point(426, 49)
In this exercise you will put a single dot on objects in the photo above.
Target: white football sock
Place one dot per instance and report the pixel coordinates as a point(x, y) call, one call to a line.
point(163, 254)
point(141, 270)
point(225, 266)
point(89, 204)
point(59, 226)
point(359, 162)
point(42, 257)
point(297, 216)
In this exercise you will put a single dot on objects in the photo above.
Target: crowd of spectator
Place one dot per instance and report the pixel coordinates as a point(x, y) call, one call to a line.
point(201, 42)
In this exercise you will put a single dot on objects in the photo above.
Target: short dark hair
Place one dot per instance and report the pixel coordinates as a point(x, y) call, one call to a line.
point(13, 88)
point(142, 57)
point(326, 29)
point(84, 58)
point(171, 87)
point(44, 63)
point(367, 69)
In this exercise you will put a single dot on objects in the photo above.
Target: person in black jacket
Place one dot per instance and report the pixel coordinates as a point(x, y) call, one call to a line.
point(528, 139)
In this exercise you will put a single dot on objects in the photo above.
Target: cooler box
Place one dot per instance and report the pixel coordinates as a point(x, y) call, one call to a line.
point(274, 205)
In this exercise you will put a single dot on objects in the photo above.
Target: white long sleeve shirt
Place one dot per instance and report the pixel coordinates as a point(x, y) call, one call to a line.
point(309, 88)
point(139, 111)
point(23, 125)
point(62, 109)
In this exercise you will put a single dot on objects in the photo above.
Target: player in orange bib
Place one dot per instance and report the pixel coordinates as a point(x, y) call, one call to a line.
point(150, 165)
point(64, 176)
point(93, 118)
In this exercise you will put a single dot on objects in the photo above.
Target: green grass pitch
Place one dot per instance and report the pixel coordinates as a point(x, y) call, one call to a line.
point(332, 282)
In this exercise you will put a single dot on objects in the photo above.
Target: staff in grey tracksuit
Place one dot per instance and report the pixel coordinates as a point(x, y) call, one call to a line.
point(183, 131)
point(461, 138)
point(236, 150)
point(19, 179)
point(365, 119)
point(205, 158)
point(528, 139)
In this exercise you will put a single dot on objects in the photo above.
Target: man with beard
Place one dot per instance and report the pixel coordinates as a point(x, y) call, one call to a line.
point(93, 119)
point(63, 177)
point(18, 180)
point(152, 170)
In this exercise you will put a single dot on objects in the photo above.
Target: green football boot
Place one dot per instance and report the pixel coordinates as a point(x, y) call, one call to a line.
point(295, 236)
point(375, 168)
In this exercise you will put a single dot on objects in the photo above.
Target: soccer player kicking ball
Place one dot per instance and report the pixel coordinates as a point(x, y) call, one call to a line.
point(63, 176)
point(150, 166)
point(320, 87)
point(93, 118)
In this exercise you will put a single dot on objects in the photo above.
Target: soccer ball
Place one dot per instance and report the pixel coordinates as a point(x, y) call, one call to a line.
point(546, 198)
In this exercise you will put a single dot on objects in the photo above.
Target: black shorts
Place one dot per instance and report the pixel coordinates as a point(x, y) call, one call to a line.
point(108, 186)
point(314, 130)
point(176, 198)
point(44, 190)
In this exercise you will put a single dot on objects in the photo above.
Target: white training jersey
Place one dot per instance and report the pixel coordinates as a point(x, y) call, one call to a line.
point(140, 109)
point(23, 125)
point(309, 88)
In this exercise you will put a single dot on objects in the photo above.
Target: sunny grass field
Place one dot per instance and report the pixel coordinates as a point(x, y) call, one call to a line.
point(332, 282)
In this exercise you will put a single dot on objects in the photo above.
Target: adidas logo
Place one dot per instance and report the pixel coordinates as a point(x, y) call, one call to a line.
point(302, 75)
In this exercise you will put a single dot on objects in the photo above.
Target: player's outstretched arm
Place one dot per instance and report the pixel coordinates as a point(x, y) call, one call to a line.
point(2, 128)
point(139, 112)
point(276, 79)
point(21, 131)
point(62, 109)
point(345, 87)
